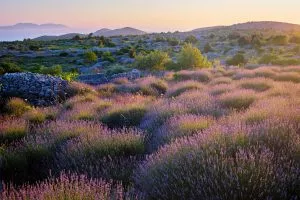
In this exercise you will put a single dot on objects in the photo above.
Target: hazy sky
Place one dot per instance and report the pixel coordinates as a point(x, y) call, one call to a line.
point(150, 15)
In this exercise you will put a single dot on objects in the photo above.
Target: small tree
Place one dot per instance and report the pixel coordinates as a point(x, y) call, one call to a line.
point(156, 60)
point(107, 56)
point(191, 39)
point(237, 60)
point(90, 56)
point(191, 57)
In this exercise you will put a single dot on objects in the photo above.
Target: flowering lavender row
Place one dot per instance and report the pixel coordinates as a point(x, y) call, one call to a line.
point(207, 134)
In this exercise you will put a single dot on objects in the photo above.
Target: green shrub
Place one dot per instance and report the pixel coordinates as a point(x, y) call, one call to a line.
point(237, 60)
point(125, 116)
point(173, 41)
point(268, 59)
point(191, 39)
point(279, 40)
point(107, 56)
point(69, 76)
point(90, 57)
point(9, 67)
point(156, 60)
point(191, 58)
point(55, 70)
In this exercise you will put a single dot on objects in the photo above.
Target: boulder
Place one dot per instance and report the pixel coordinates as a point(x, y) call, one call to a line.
point(132, 75)
point(93, 79)
point(37, 89)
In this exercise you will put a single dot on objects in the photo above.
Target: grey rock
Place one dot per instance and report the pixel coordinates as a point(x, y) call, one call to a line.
point(93, 79)
point(39, 90)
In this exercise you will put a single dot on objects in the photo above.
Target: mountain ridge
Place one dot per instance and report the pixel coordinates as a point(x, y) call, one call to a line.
point(33, 26)
point(258, 25)
point(121, 31)
point(101, 32)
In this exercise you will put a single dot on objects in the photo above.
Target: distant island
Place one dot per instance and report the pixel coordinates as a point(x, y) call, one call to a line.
point(102, 32)
point(33, 26)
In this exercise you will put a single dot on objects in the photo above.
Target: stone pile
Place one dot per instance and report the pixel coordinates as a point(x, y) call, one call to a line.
point(37, 89)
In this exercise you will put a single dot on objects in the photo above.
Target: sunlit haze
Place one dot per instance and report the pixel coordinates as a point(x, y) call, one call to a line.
point(154, 15)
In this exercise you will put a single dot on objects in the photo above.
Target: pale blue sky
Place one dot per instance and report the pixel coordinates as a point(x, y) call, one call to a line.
point(151, 15)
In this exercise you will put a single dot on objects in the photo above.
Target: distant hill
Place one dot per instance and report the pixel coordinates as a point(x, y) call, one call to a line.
point(117, 32)
point(101, 31)
point(33, 26)
point(267, 25)
point(207, 28)
point(260, 25)
point(60, 37)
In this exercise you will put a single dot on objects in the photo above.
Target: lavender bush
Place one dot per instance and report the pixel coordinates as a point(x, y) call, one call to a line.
point(68, 186)
point(206, 134)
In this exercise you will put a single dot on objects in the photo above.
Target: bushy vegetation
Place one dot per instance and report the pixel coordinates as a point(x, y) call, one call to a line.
point(279, 40)
point(191, 39)
point(191, 58)
point(67, 186)
point(237, 60)
point(9, 67)
point(236, 154)
point(155, 60)
point(90, 57)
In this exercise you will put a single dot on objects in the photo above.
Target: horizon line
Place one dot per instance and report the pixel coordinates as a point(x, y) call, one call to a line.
point(138, 27)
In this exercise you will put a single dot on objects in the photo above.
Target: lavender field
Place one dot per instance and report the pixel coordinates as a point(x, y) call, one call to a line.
point(220, 133)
